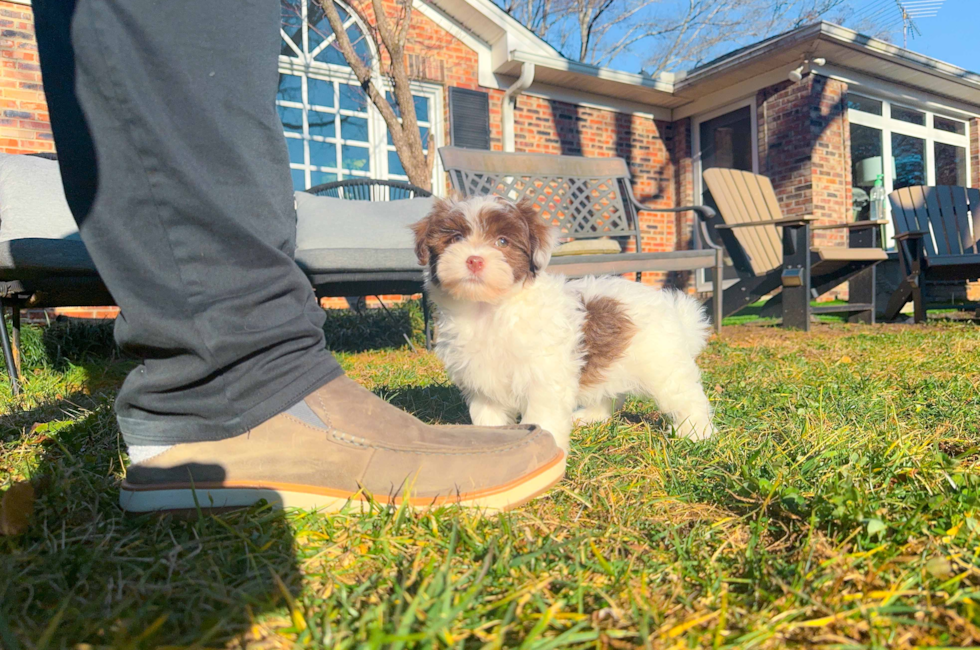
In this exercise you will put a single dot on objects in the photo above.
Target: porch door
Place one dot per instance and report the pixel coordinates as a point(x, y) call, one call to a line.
point(725, 141)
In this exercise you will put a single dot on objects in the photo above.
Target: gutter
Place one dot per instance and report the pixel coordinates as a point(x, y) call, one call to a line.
point(510, 100)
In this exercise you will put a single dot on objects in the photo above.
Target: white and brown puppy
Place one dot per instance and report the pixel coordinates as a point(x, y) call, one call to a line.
point(521, 342)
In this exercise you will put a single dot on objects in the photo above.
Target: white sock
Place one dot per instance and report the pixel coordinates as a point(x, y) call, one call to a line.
point(140, 453)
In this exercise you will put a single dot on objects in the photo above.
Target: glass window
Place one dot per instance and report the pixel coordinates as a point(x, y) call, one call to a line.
point(948, 125)
point(950, 164)
point(908, 115)
point(866, 157)
point(320, 107)
point(909, 159)
point(863, 104)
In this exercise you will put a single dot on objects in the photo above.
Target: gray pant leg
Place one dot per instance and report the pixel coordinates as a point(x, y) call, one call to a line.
point(176, 170)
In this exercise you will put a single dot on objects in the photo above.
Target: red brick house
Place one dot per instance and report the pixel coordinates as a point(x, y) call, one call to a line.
point(857, 107)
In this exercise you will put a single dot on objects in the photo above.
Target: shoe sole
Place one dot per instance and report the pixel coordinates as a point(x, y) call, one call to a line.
point(160, 498)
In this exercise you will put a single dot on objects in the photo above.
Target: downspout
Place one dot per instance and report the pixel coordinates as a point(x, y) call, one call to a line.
point(510, 101)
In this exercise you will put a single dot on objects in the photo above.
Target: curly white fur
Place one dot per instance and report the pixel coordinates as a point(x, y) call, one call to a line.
point(521, 352)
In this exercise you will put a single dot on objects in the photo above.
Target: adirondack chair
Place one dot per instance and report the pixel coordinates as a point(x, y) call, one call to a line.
point(588, 199)
point(937, 230)
point(766, 259)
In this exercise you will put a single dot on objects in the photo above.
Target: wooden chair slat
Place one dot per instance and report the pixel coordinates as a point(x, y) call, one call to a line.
point(939, 221)
point(950, 218)
point(898, 213)
point(755, 210)
point(734, 209)
point(917, 205)
point(962, 215)
point(973, 198)
point(762, 191)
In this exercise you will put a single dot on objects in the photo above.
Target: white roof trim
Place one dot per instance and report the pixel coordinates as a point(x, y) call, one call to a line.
point(663, 83)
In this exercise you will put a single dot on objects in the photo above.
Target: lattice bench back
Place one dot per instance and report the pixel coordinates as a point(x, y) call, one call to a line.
point(586, 198)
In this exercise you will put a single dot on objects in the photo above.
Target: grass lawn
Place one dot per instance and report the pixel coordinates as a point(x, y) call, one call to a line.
point(836, 508)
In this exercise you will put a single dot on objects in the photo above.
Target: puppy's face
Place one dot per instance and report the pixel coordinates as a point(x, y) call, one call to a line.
point(480, 249)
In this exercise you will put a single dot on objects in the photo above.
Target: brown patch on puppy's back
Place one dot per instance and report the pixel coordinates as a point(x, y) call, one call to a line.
point(606, 335)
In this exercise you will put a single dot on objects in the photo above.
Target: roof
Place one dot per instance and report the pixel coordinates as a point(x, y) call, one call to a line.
point(846, 51)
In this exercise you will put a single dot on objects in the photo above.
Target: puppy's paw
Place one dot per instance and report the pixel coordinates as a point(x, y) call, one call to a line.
point(695, 432)
point(589, 416)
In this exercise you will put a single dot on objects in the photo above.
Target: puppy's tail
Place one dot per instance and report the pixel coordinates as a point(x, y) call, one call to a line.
point(695, 326)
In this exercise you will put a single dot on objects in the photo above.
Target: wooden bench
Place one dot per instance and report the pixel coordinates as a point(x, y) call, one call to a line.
point(766, 259)
point(937, 230)
point(587, 198)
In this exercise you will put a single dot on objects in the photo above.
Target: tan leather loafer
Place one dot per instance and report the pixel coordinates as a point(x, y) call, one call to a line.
point(342, 445)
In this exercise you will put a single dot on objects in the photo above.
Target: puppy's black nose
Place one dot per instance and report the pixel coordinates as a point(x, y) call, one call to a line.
point(474, 263)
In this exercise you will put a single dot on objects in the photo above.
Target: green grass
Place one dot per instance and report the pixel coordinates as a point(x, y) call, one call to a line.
point(836, 508)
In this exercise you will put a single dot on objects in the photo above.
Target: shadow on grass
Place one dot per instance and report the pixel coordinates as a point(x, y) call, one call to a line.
point(435, 403)
point(85, 572)
point(347, 330)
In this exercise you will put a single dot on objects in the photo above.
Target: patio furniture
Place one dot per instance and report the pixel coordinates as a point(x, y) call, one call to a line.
point(399, 272)
point(43, 262)
point(937, 230)
point(765, 261)
point(591, 201)
point(343, 248)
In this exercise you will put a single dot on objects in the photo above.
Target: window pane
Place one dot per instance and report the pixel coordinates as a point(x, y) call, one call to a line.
point(395, 164)
point(319, 25)
point(908, 154)
point(950, 165)
point(296, 155)
point(319, 178)
point(323, 154)
point(356, 159)
point(292, 24)
point(908, 115)
point(320, 92)
point(353, 128)
point(299, 179)
point(321, 124)
point(352, 98)
point(946, 124)
point(422, 108)
point(330, 54)
point(291, 118)
point(863, 104)
point(866, 151)
point(290, 88)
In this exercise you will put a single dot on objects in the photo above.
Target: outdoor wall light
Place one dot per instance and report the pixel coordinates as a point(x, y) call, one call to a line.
point(805, 68)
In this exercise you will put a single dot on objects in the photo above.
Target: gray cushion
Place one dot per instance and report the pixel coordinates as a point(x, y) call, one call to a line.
point(324, 222)
point(335, 260)
point(32, 201)
point(31, 258)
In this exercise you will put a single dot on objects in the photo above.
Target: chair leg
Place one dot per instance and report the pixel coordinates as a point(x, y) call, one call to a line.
point(796, 277)
point(919, 299)
point(8, 355)
point(899, 297)
point(719, 290)
point(861, 289)
point(427, 318)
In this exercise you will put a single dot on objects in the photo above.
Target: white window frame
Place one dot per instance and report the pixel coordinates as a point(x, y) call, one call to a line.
point(305, 66)
point(888, 125)
point(702, 283)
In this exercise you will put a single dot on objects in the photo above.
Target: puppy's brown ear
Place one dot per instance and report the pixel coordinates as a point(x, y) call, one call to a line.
point(543, 235)
point(421, 229)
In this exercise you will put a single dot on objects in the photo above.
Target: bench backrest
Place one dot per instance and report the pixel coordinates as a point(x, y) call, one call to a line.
point(950, 217)
point(744, 197)
point(586, 198)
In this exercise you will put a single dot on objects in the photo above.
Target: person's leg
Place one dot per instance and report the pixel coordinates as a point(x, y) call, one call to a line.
point(176, 170)
point(175, 167)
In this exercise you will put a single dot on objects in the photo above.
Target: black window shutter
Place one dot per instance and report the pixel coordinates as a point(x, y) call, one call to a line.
point(469, 118)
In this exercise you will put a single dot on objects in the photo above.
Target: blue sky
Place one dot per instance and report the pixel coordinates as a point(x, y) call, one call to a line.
point(953, 35)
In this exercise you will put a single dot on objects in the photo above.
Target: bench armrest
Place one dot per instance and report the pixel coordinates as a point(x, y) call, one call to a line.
point(912, 234)
point(703, 212)
point(853, 225)
point(792, 221)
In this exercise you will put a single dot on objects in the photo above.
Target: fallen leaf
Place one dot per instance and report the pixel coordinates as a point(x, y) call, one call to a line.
point(939, 567)
point(845, 359)
point(16, 508)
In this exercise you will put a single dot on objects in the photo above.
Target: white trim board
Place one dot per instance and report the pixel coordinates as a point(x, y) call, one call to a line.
point(600, 102)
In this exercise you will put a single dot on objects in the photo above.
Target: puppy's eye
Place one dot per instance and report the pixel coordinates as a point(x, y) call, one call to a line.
point(502, 242)
point(456, 239)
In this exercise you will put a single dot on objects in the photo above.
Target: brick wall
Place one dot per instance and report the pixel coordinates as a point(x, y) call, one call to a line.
point(24, 126)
